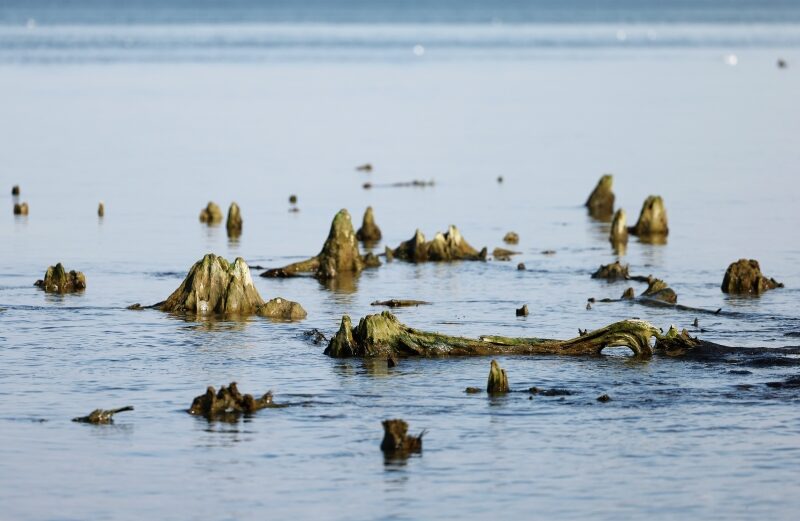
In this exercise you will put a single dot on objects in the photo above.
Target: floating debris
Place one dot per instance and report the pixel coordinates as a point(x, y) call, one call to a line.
point(57, 280)
point(399, 303)
point(603, 398)
point(316, 336)
point(215, 286)
point(601, 200)
point(369, 231)
point(211, 214)
point(498, 379)
point(744, 277)
point(101, 416)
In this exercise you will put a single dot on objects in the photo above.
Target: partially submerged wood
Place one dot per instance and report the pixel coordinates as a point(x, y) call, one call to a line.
point(396, 440)
point(339, 254)
point(101, 416)
point(15, 190)
point(234, 222)
point(601, 200)
point(58, 280)
point(657, 289)
point(369, 231)
point(613, 271)
point(744, 277)
point(652, 223)
point(619, 229)
point(399, 303)
point(21, 209)
point(380, 336)
point(228, 403)
point(511, 238)
point(211, 214)
point(215, 286)
point(523, 311)
point(101, 210)
point(447, 246)
point(366, 167)
point(498, 379)
point(502, 254)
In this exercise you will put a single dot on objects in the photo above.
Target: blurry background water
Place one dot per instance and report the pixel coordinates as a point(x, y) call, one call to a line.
point(156, 107)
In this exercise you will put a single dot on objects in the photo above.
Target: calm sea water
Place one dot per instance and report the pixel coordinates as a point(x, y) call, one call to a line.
point(157, 107)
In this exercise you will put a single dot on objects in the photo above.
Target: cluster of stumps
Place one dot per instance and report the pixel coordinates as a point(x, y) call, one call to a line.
point(215, 287)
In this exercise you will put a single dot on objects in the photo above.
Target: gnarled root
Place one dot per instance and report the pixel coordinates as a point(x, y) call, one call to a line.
point(447, 246)
point(228, 403)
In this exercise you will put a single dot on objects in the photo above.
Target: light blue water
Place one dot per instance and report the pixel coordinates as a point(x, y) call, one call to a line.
point(200, 106)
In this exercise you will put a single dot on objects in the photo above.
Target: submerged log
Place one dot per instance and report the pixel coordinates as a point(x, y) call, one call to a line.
point(502, 254)
point(511, 238)
point(339, 254)
point(744, 276)
point(652, 223)
point(211, 214)
point(619, 229)
point(366, 167)
point(234, 223)
point(21, 209)
point(396, 440)
point(228, 403)
point(498, 379)
point(369, 231)
point(601, 200)
point(380, 336)
point(447, 246)
point(399, 303)
point(57, 280)
point(101, 416)
point(215, 286)
point(613, 271)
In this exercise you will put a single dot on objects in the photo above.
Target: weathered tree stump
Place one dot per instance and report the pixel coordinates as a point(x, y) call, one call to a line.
point(57, 280)
point(613, 271)
point(211, 214)
point(234, 222)
point(396, 440)
point(601, 200)
point(369, 231)
point(498, 380)
point(619, 229)
point(447, 246)
point(511, 238)
point(101, 416)
point(652, 223)
point(744, 277)
point(21, 209)
point(657, 289)
point(228, 403)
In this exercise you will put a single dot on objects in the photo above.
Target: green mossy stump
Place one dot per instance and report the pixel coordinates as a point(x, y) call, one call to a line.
point(57, 280)
point(234, 222)
point(369, 231)
point(652, 224)
point(216, 287)
point(339, 254)
point(744, 277)
point(383, 336)
point(211, 214)
point(601, 200)
point(449, 246)
point(657, 289)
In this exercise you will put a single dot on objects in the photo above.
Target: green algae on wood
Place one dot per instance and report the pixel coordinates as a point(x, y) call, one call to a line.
point(339, 254)
point(601, 200)
point(369, 231)
point(652, 224)
point(215, 286)
point(58, 280)
point(744, 277)
point(448, 246)
point(381, 336)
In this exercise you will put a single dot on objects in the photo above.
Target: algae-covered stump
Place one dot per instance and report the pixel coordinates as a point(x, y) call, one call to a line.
point(449, 246)
point(215, 286)
point(498, 380)
point(613, 271)
point(601, 200)
point(228, 403)
point(369, 231)
point(396, 440)
point(101, 416)
point(211, 214)
point(744, 277)
point(234, 222)
point(652, 223)
point(381, 336)
point(58, 280)
point(657, 289)
point(619, 229)
point(339, 254)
